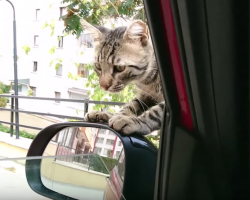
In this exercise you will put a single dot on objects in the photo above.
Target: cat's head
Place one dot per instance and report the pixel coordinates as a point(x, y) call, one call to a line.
point(122, 55)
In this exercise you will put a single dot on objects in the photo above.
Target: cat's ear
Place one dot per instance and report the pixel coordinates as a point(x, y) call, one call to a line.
point(97, 32)
point(137, 30)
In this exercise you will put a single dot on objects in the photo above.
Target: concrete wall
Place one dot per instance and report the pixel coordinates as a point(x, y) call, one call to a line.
point(11, 151)
point(72, 174)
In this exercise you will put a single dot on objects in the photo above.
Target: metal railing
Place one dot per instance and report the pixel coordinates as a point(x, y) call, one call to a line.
point(86, 103)
point(88, 161)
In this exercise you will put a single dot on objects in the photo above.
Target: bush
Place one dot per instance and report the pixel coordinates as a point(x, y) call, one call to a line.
point(96, 164)
point(109, 162)
point(24, 134)
point(4, 88)
point(3, 100)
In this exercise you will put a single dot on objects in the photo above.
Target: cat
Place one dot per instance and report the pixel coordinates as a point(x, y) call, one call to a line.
point(122, 56)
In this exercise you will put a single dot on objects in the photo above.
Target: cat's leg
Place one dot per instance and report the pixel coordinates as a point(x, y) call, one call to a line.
point(133, 108)
point(98, 116)
point(146, 123)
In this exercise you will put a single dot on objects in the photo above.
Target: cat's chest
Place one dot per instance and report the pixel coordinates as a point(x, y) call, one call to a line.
point(153, 90)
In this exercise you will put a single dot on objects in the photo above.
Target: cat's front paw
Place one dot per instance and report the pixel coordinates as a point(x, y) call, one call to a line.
point(97, 116)
point(124, 124)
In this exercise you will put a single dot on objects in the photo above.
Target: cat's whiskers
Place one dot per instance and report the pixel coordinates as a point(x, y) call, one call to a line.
point(134, 107)
point(140, 101)
point(148, 94)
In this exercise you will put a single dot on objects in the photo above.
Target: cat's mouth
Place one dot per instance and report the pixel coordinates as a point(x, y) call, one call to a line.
point(116, 89)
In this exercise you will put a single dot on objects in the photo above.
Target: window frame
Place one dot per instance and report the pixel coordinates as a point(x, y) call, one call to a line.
point(60, 69)
point(35, 66)
point(56, 96)
point(60, 41)
point(37, 18)
point(35, 40)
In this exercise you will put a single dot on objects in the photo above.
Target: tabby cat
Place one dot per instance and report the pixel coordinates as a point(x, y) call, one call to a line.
point(122, 56)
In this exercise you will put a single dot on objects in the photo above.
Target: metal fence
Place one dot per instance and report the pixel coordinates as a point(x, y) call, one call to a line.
point(12, 109)
point(88, 161)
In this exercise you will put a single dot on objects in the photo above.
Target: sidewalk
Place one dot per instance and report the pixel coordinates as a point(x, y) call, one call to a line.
point(21, 142)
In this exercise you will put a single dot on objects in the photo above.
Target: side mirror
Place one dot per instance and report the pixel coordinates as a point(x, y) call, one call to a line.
point(89, 161)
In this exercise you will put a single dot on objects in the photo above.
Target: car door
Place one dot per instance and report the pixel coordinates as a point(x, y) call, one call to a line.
point(202, 51)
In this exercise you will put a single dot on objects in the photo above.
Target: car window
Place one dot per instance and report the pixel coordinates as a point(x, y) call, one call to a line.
point(58, 81)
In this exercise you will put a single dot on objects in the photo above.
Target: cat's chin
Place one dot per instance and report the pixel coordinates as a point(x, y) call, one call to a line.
point(115, 91)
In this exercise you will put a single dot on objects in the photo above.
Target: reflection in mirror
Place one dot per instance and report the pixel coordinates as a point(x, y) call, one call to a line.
point(87, 164)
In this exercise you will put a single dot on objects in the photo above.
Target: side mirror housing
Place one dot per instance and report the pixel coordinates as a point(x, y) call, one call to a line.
point(140, 163)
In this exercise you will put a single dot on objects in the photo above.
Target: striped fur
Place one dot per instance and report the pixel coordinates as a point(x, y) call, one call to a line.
point(125, 55)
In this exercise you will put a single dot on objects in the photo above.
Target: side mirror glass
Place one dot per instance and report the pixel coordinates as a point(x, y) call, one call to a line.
point(87, 163)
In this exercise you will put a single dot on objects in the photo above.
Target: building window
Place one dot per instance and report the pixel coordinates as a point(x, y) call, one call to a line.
point(34, 66)
point(37, 14)
point(36, 40)
point(58, 96)
point(60, 41)
point(97, 150)
point(109, 141)
point(59, 71)
point(33, 91)
point(101, 131)
point(19, 88)
point(111, 133)
point(100, 140)
point(86, 40)
point(77, 105)
point(120, 143)
point(117, 153)
point(107, 152)
point(63, 11)
point(82, 71)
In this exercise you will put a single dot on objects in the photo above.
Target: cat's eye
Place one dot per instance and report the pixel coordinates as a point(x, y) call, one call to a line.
point(97, 66)
point(120, 68)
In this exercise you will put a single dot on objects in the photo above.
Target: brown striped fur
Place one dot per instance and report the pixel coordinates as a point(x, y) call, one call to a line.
point(125, 55)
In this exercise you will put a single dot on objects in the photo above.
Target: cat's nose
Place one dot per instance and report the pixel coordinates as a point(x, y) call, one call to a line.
point(105, 87)
point(105, 83)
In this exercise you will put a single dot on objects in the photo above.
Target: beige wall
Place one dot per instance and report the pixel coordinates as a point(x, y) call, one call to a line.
point(50, 150)
point(67, 174)
point(11, 151)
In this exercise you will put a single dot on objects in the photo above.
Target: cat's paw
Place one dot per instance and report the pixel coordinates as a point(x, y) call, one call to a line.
point(97, 116)
point(124, 124)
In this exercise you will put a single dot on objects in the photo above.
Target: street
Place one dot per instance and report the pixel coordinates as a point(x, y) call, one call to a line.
point(13, 183)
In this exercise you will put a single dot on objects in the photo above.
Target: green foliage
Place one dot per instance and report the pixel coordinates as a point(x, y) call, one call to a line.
point(99, 11)
point(51, 26)
point(96, 164)
point(57, 63)
point(4, 88)
point(3, 100)
point(73, 77)
point(29, 92)
point(99, 95)
point(26, 49)
point(155, 139)
point(24, 134)
point(109, 162)
point(52, 50)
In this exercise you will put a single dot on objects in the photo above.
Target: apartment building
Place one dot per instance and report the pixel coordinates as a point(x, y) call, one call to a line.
point(45, 70)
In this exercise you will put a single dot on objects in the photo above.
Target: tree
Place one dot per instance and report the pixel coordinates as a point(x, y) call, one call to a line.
point(3, 100)
point(99, 11)
point(4, 88)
